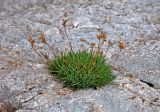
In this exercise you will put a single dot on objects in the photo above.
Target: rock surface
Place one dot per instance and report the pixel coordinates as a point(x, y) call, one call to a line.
point(28, 87)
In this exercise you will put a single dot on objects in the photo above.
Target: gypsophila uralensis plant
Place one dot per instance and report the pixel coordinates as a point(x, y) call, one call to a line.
point(81, 69)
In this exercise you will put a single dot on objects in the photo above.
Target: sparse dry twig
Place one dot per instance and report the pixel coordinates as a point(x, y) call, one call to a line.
point(43, 40)
point(32, 41)
point(109, 45)
point(122, 45)
point(92, 46)
point(46, 56)
point(65, 30)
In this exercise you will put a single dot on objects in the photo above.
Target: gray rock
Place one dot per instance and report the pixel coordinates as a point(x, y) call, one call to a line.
point(27, 85)
point(8, 102)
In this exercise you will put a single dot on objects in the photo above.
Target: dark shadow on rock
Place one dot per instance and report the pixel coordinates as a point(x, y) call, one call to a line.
point(149, 84)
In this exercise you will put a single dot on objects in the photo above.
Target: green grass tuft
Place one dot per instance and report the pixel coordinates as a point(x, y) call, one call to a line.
point(82, 69)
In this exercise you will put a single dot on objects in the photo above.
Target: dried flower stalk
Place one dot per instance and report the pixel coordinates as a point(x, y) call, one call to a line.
point(65, 30)
point(43, 40)
point(32, 41)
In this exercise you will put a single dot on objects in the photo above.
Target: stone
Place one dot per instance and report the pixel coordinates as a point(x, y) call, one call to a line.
point(24, 79)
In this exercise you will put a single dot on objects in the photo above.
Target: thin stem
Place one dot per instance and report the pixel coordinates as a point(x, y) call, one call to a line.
point(116, 56)
point(70, 44)
point(91, 50)
point(99, 46)
point(51, 48)
point(39, 55)
point(108, 48)
point(106, 51)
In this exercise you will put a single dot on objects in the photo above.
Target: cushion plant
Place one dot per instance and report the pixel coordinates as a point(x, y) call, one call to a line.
point(82, 69)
